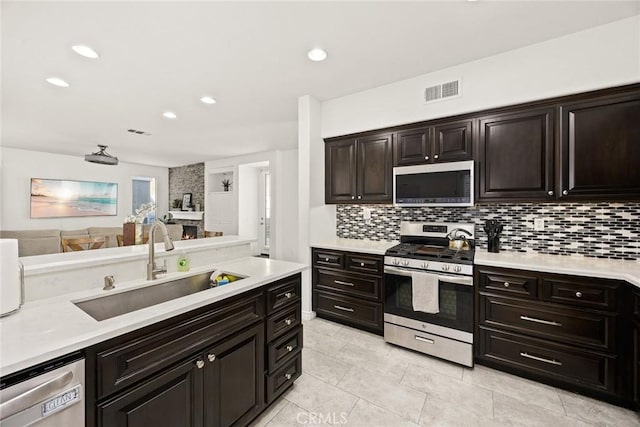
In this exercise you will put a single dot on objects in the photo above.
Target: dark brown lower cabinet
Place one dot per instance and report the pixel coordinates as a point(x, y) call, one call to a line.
point(568, 331)
point(173, 398)
point(212, 367)
point(223, 386)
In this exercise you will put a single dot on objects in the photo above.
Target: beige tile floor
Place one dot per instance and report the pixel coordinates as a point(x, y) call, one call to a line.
point(353, 378)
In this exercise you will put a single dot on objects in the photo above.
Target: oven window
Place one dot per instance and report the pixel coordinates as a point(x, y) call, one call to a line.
point(447, 298)
point(456, 303)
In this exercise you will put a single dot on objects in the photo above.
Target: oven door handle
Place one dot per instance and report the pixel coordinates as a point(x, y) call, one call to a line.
point(459, 280)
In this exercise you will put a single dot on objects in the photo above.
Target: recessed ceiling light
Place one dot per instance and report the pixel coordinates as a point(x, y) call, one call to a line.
point(317, 54)
point(170, 115)
point(56, 81)
point(208, 100)
point(85, 51)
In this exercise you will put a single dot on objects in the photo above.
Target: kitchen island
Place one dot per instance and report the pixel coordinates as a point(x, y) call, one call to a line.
point(233, 349)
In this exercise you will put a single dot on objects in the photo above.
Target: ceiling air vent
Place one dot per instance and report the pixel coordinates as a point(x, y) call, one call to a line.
point(138, 132)
point(442, 91)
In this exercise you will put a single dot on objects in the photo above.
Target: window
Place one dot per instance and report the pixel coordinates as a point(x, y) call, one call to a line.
point(144, 191)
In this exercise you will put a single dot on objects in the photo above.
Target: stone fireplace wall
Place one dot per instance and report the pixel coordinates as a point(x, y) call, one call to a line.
point(187, 179)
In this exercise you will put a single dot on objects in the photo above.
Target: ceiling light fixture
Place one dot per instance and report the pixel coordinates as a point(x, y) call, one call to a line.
point(85, 51)
point(208, 100)
point(101, 157)
point(317, 54)
point(170, 115)
point(57, 81)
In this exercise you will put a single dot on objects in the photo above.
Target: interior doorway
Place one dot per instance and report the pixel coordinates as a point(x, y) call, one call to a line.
point(255, 205)
point(264, 212)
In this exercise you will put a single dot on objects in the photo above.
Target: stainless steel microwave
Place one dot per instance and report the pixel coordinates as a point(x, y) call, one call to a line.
point(438, 184)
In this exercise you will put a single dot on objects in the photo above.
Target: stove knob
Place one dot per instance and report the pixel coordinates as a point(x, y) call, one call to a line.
point(445, 267)
point(425, 265)
point(405, 262)
point(396, 262)
point(457, 269)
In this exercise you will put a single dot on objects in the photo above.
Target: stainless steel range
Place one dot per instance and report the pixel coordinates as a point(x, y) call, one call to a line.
point(428, 285)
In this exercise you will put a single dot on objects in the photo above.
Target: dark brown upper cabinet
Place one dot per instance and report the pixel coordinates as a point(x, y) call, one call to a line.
point(515, 158)
point(445, 142)
point(600, 148)
point(359, 170)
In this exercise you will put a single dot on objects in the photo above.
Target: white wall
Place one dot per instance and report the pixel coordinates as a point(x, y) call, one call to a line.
point(248, 177)
point(600, 57)
point(19, 166)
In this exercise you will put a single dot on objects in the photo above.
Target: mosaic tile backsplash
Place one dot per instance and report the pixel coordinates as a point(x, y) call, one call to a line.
point(603, 230)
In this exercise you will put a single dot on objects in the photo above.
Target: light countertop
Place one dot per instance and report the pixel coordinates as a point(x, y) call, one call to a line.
point(580, 266)
point(355, 245)
point(63, 261)
point(49, 328)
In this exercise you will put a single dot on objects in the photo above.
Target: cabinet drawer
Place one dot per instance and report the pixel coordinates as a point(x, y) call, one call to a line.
point(332, 281)
point(522, 286)
point(284, 348)
point(581, 292)
point(555, 361)
point(350, 310)
point(280, 380)
point(364, 264)
point(283, 293)
point(328, 258)
point(283, 321)
point(562, 324)
point(122, 362)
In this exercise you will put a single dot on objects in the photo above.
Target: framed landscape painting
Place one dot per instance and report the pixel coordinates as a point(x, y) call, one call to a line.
point(55, 198)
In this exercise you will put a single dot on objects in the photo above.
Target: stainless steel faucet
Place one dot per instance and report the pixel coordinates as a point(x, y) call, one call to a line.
point(152, 269)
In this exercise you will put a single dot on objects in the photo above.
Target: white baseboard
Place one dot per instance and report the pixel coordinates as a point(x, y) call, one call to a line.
point(308, 315)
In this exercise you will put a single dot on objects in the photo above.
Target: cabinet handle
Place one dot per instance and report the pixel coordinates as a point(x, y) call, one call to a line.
point(426, 157)
point(544, 322)
point(211, 357)
point(288, 295)
point(541, 359)
point(287, 376)
point(340, 282)
point(353, 197)
point(436, 156)
point(288, 321)
point(339, 307)
point(506, 284)
point(200, 364)
point(550, 192)
point(289, 348)
point(565, 193)
point(359, 197)
point(578, 294)
point(423, 339)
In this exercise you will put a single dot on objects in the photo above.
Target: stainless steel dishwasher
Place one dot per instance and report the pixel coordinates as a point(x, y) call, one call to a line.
point(50, 394)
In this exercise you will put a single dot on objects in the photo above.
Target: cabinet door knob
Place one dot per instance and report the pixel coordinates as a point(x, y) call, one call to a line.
point(200, 364)
point(359, 197)
point(506, 284)
point(565, 192)
point(288, 321)
point(353, 197)
point(287, 376)
point(578, 294)
point(326, 259)
point(211, 357)
point(436, 156)
point(362, 264)
point(550, 192)
point(289, 348)
point(426, 157)
point(289, 294)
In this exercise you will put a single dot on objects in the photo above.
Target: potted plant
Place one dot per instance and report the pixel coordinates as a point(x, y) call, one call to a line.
point(177, 204)
point(226, 183)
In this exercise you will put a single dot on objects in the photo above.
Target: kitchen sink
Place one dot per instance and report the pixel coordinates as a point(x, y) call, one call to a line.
point(106, 307)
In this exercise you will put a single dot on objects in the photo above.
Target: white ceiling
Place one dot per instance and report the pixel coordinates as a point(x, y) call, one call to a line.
point(251, 57)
